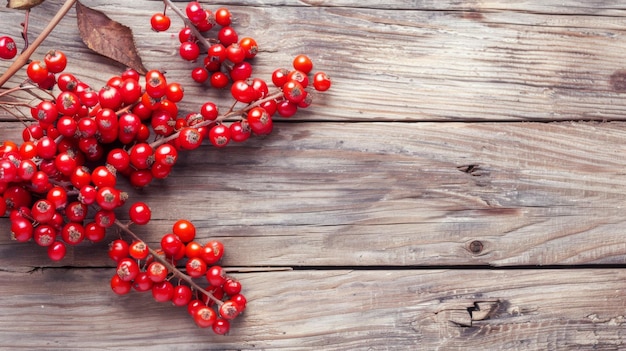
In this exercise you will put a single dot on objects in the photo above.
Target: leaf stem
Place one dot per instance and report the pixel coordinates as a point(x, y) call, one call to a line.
point(23, 58)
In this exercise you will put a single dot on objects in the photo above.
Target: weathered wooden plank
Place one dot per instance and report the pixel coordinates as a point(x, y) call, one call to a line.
point(501, 64)
point(397, 194)
point(59, 309)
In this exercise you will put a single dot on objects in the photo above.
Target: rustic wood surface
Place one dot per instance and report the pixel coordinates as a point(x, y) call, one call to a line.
point(461, 186)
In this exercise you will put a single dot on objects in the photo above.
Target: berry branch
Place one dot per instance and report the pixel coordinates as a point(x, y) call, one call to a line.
point(23, 58)
point(171, 268)
point(59, 187)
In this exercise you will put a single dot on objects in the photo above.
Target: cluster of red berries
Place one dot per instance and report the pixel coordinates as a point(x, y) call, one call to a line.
point(224, 56)
point(8, 49)
point(214, 306)
point(59, 186)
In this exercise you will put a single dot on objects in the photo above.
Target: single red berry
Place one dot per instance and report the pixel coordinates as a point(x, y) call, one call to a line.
point(293, 91)
point(73, 233)
point(223, 16)
point(213, 252)
point(234, 53)
point(190, 138)
point(182, 295)
point(240, 71)
point(193, 305)
point(216, 276)
point(56, 251)
point(196, 267)
point(249, 46)
point(200, 74)
point(194, 249)
point(156, 84)
point(195, 12)
point(76, 211)
point(243, 91)
point(139, 213)
point(37, 71)
point(138, 250)
point(163, 291)
point(286, 108)
point(186, 34)
point(219, 80)
point(140, 155)
point(229, 309)
point(219, 135)
point(321, 81)
point(240, 131)
point(232, 286)
point(55, 61)
point(21, 229)
point(280, 76)
point(204, 316)
point(171, 244)
point(184, 230)
point(109, 198)
point(94, 232)
point(44, 235)
point(175, 92)
point(130, 90)
point(157, 272)
point(189, 51)
point(118, 249)
point(127, 269)
point(240, 300)
point(228, 36)
point(104, 218)
point(303, 63)
point(103, 176)
point(142, 282)
point(160, 22)
point(260, 121)
point(8, 49)
point(120, 286)
point(221, 326)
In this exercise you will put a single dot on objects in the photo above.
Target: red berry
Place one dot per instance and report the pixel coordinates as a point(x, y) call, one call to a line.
point(223, 16)
point(216, 276)
point(195, 12)
point(221, 326)
point(240, 131)
point(260, 121)
point(44, 235)
point(213, 252)
point(199, 74)
point(321, 81)
point(196, 267)
point(219, 80)
point(55, 61)
point(157, 272)
point(94, 232)
point(190, 138)
point(249, 46)
point(140, 155)
point(160, 22)
point(243, 91)
point(73, 233)
point(232, 287)
point(118, 249)
point(163, 291)
point(127, 269)
point(229, 309)
point(120, 286)
point(56, 251)
point(8, 49)
point(138, 250)
point(303, 63)
point(139, 213)
point(171, 244)
point(219, 135)
point(184, 230)
point(142, 282)
point(37, 71)
point(21, 229)
point(189, 51)
point(204, 316)
point(182, 295)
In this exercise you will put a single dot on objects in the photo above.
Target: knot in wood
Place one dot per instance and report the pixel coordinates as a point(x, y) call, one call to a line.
point(476, 247)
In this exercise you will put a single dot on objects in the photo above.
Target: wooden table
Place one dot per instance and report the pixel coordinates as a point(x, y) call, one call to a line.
point(462, 186)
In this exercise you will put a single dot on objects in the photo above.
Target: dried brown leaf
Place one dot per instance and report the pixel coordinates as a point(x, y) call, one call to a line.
point(23, 4)
point(108, 37)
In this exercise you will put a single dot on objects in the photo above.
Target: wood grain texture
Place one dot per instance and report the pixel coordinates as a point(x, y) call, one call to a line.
point(498, 63)
point(331, 310)
point(431, 151)
point(400, 194)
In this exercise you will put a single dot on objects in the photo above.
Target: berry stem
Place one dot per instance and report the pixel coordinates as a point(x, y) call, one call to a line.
point(188, 23)
point(170, 267)
point(25, 30)
point(23, 58)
